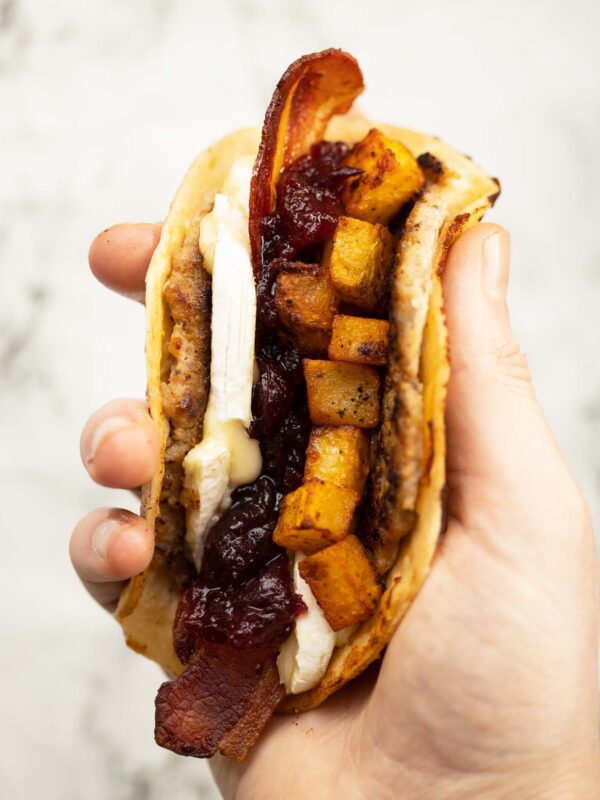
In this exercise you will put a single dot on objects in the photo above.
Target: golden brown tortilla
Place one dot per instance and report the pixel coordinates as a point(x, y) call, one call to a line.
point(447, 207)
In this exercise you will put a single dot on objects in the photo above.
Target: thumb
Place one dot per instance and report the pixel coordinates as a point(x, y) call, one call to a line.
point(498, 437)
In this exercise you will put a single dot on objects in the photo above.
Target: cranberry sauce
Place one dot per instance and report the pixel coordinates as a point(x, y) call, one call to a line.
point(243, 594)
point(308, 203)
point(257, 613)
point(307, 208)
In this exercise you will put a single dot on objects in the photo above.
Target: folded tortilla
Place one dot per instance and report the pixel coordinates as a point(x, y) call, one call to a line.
point(413, 431)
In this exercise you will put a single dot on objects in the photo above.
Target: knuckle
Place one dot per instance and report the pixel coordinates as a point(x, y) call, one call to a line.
point(120, 446)
point(505, 359)
point(506, 365)
point(511, 362)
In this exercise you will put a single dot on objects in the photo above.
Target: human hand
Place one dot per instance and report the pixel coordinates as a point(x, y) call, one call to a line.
point(489, 687)
point(119, 444)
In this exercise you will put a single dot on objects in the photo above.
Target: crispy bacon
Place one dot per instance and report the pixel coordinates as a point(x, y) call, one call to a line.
point(310, 92)
point(220, 704)
point(265, 698)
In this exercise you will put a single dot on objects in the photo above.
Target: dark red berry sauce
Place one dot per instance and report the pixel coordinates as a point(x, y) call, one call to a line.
point(300, 606)
point(243, 595)
point(309, 202)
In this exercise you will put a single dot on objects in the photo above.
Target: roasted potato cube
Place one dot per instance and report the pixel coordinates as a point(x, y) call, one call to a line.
point(360, 340)
point(342, 394)
point(390, 177)
point(359, 258)
point(343, 582)
point(338, 454)
point(314, 516)
point(306, 304)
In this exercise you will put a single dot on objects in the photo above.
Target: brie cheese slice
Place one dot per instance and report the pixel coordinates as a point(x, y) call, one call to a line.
point(306, 653)
point(226, 457)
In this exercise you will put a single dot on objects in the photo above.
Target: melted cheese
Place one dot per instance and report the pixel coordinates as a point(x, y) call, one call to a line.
point(226, 457)
point(306, 653)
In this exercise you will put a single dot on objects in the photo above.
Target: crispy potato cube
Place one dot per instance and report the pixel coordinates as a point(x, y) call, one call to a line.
point(360, 340)
point(359, 258)
point(306, 304)
point(314, 516)
point(338, 454)
point(342, 394)
point(390, 177)
point(343, 582)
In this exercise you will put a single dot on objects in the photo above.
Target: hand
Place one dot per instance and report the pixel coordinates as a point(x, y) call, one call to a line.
point(489, 688)
point(119, 444)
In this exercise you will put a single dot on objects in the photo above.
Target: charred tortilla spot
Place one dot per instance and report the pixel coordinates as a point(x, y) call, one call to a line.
point(454, 230)
point(431, 165)
point(444, 503)
point(429, 448)
point(495, 195)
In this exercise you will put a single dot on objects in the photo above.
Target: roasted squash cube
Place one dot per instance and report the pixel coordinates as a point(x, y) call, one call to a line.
point(359, 258)
point(343, 582)
point(338, 454)
point(306, 304)
point(360, 340)
point(390, 177)
point(314, 516)
point(342, 394)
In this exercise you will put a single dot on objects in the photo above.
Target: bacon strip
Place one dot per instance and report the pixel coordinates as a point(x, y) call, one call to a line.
point(264, 700)
point(310, 92)
point(220, 703)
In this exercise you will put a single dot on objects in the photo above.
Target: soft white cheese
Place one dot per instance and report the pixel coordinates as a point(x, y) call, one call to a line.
point(226, 457)
point(304, 656)
point(344, 635)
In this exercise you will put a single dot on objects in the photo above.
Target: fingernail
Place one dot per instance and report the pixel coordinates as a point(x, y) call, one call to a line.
point(495, 257)
point(102, 536)
point(106, 428)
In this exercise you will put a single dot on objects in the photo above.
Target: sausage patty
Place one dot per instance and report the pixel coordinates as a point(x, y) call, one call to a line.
point(185, 388)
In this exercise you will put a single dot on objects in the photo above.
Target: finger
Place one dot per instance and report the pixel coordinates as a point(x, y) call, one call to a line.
point(120, 255)
point(119, 445)
point(497, 434)
point(109, 546)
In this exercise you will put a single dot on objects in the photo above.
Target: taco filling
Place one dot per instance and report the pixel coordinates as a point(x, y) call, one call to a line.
point(297, 364)
point(303, 372)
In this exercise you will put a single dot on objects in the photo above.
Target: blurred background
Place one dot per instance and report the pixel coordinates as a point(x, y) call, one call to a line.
point(102, 107)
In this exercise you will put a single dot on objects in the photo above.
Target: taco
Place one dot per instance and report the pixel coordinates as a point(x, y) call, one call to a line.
point(297, 366)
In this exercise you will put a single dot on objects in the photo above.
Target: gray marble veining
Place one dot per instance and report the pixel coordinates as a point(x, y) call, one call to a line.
point(102, 106)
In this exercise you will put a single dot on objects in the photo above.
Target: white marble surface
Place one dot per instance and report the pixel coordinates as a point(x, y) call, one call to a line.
point(102, 106)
